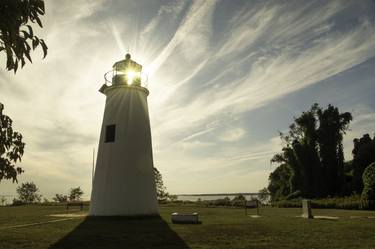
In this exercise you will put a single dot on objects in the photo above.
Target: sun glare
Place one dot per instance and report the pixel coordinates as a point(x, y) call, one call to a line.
point(130, 76)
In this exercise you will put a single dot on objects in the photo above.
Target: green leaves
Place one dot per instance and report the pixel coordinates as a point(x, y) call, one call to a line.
point(75, 194)
point(313, 150)
point(369, 183)
point(17, 38)
point(161, 190)
point(11, 148)
point(28, 193)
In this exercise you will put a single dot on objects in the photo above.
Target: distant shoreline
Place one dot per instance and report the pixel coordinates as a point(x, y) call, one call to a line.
point(220, 194)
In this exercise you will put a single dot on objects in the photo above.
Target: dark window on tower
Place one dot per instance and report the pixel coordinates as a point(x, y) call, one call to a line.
point(110, 133)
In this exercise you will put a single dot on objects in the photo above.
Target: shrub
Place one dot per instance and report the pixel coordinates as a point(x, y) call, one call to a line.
point(60, 198)
point(294, 195)
point(17, 202)
point(348, 202)
point(238, 201)
point(222, 202)
point(369, 183)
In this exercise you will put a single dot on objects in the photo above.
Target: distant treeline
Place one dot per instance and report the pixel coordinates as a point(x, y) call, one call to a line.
point(311, 164)
point(225, 194)
point(237, 201)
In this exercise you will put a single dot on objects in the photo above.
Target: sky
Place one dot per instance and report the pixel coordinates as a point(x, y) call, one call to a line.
point(224, 78)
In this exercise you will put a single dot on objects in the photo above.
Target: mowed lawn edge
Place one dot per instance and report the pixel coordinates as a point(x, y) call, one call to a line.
point(220, 228)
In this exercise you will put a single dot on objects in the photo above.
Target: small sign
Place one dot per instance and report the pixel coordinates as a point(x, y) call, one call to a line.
point(252, 204)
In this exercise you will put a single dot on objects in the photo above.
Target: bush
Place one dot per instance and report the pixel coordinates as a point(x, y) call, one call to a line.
point(238, 201)
point(17, 202)
point(288, 203)
point(222, 202)
point(60, 198)
point(368, 177)
point(294, 195)
point(354, 202)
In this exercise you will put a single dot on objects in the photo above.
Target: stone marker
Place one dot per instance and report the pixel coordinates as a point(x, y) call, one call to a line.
point(306, 209)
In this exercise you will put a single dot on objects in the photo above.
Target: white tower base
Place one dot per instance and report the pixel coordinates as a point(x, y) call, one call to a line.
point(124, 183)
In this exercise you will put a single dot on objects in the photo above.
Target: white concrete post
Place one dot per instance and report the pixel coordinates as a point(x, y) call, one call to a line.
point(306, 209)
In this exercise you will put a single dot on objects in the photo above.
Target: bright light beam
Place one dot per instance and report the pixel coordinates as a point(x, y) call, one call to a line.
point(130, 76)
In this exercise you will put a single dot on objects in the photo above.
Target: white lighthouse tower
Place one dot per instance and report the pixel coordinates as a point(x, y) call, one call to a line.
point(124, 183)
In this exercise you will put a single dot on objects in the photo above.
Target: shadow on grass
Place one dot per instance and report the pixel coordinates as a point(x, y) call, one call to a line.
point(122, 232)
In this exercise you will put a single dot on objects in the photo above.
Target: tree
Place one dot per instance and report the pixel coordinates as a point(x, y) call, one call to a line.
point(264, 195)
point(60, 198)
point(161, 190)
point(300, 153)
point(75, 194)
point(313, 155)
point(11, 148)
point(17, 37)
point(279, 182)
point(28, 193)
point(363, 155)
point(332, 127)
point(238, 200)
point(3, 199)
point(173, 198)
point(369, 183)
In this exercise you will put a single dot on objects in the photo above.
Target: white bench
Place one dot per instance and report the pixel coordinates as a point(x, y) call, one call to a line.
point(185, 218)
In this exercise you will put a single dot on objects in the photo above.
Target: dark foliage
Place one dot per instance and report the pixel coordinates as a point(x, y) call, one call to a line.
point(75, 194)
point(369, 183)
point(332, 127)
point(279, 182)
point(17, 37)
point(238, 200)
point(161, 190)
point(312, 160)
point(354, 202)
point(60, 198)
point(11, 148)
point(363, 155)
point(28, 193)
point(264, 195)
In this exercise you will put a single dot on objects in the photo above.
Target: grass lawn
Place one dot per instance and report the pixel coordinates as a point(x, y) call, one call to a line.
point(221, 228)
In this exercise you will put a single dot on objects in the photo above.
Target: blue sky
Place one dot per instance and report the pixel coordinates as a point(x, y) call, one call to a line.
point(224, 78)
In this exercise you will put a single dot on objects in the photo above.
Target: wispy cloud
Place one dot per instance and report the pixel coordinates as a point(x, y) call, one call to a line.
point(232, 135)
point(192, 33)
point(273, 73)
point(210, 68)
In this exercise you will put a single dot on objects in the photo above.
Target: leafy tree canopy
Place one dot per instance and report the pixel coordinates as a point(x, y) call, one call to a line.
point(264, 195)
point(28, 193)
point(11, 148)
point(369, 183)
point(279, 182)
point(312, 158)
point(75, 194)
point(161, 190)
point(60, 198)
point(17, 37)
point(363, 155)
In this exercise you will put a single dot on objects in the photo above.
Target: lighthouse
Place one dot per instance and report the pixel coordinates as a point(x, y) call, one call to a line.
point(124, 183)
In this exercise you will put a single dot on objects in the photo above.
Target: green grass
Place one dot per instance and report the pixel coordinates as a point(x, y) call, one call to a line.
point(221, 228)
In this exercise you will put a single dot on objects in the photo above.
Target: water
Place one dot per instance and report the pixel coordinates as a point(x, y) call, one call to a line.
point(205, 197)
